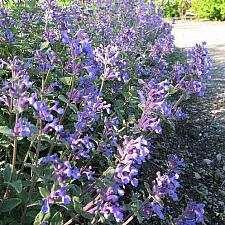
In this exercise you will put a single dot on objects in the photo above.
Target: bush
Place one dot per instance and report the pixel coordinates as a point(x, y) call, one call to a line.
point(211, 9)
point(85, 89)
point(171, 8)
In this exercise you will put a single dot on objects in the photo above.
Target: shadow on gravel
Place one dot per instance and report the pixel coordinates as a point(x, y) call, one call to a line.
point(200, 140)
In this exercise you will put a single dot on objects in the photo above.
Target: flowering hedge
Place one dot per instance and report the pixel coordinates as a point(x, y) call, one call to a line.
point(85, 88)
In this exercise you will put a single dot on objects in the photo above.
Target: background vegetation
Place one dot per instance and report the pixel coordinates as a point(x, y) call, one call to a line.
point(207, 9)
point(211, 9)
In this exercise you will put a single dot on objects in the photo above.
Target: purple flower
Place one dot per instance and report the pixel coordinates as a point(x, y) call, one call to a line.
point(5, 99)
point(60, 111)
point(17, 88)
point(152, 207)
point(117, 213)
point(114, 68)
point(22, 128)
point(134, 153)
point(88, 172)
point(108, 205)
point(81, 147)
point(45, 207)
point(6, 23)
point(42, 59)
point(194, 213)
point(63, 171)
point(174, 162)
point(50, 158)
point(147, 122)
point(42, 111)
point(53, 125)
point(125, 174)
point(179, 114)
point(152, 98)
point(166, 185)
point(59, 195)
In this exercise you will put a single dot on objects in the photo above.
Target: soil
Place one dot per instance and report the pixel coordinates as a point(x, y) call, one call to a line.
point(201, 138)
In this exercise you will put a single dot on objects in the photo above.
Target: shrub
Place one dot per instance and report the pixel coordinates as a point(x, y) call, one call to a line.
point(85, 90)
point(173, 8)
point(211, 9)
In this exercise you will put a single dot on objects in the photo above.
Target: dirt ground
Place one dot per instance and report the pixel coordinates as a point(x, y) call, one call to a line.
point(201, 138)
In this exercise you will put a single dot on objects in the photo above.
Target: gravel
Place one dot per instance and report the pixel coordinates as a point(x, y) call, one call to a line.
point(201, 139)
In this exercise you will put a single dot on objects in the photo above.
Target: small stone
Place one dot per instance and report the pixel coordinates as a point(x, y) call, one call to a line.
point(219, 157)
point(207, 161)
point(197, 176)
point(222, 192)
point(221, 203)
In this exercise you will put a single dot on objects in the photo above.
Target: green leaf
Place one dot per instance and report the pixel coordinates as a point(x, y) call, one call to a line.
point(140, 218)
point(44, 45)
point(14, 223)
point(34, 129)
point(37, 203)
point(5, 130)
point(44, 192)
point(7, 172)
point(23, 195)
point(57, 219)
point(147, 186)
point(30, 216)
point(38, 218)
point(186, 95)
point(77, 205)
point(63, 98)
point(172, 89)
point(10, 204)
point(87, 215)
point(17, 185)
point(66, 80)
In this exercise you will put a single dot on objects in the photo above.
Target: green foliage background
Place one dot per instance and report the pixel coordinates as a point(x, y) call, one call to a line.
point(171, 8)
point(211, 9)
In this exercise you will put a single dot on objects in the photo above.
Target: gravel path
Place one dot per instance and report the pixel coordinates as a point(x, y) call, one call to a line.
point(201, 139)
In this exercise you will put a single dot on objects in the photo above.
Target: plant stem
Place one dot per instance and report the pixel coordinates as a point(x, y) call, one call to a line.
point(14, 148)
point(132, 215)
point(88, 189)
point(178, 101)
point(68, 222)
point(35, 176)
point(102, 84)
point(90, 204)
point(27, 154)
point(64, 113)
point(13, 161)
point(129, 219)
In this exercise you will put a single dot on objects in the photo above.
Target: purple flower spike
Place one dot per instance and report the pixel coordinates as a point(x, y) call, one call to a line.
point(59, 195)
point(22, 128)
point(194, 213)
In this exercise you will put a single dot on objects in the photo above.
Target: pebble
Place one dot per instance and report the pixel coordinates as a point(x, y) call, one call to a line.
point(197, 176)
point(207, 161)
point(219, 157)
